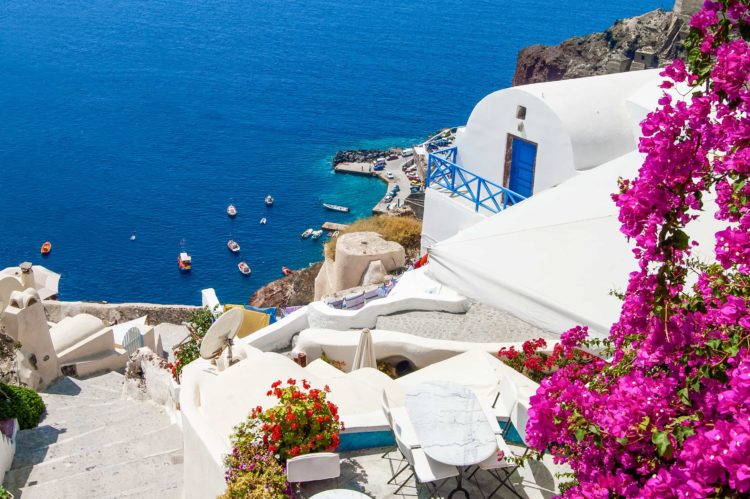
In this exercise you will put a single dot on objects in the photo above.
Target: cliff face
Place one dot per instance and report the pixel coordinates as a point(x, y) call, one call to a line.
point(293, 290)
point(650, 40)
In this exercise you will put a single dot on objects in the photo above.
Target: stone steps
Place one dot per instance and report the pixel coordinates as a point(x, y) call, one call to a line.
point(92, 443)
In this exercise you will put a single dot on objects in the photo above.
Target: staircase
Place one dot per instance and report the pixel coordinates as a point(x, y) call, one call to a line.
point(94, 444)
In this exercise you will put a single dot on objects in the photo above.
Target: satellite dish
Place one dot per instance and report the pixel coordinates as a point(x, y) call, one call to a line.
point(220, 335)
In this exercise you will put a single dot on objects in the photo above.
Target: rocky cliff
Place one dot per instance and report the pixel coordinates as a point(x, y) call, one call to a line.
point(293, 290)
point(649, 40)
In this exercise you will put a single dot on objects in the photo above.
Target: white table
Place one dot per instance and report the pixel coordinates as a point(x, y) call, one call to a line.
point(340, 494)
point(450, 424)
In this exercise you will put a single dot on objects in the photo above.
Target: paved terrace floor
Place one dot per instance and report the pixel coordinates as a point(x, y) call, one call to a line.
point(481, 324)
point(367, 472)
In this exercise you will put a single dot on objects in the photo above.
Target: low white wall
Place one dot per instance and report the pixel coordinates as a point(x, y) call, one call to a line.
point(7, 450)
point(321, 315)
point(342, 345)
point(279, 334)
point(445, 216)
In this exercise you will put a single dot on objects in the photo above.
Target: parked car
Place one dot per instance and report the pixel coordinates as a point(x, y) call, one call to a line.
point(407, 152)
point(378, 167)
point(393, 157)
point(389, 175)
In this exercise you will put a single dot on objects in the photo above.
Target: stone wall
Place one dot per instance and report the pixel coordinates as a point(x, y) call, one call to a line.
point(114, 313)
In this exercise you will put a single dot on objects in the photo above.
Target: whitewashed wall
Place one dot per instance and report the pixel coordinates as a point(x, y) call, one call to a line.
point(444, 217)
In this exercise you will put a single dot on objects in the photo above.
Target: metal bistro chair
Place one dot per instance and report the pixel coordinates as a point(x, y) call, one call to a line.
point(425, 470)
point(505, 402)
point(401, 421)
point(311, 468)
point(494, 465)
point(519, 418)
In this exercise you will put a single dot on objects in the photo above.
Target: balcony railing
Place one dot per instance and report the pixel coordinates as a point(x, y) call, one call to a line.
point(443, 171)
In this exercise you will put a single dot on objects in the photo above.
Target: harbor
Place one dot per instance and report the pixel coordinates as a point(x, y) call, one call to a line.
point(399, 172)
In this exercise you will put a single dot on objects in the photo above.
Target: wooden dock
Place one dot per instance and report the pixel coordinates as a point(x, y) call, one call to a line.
point(333, 226)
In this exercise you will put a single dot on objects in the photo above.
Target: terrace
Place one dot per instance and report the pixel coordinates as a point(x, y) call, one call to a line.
point(485, 196)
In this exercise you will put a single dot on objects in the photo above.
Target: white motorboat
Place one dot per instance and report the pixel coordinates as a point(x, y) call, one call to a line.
point(335, 207)
point(263, 221)
point(269, 200)
point(232, 211)
point(244, 268)
point(316, 234)
point(233, 246)
point(306, 234)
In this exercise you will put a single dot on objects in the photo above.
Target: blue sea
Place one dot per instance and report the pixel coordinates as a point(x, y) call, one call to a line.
point(150, 116)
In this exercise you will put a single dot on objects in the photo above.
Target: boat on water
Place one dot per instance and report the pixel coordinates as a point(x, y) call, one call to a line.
point(269, 200)
point(308, 232)
point(233, 246)
point(184, 262)
point(132, 236)
point(336, 207)
point(316, 234)
point(46, 248)
point(232, 211)
point(286, 271)
point(263, 221)
point(244, 268)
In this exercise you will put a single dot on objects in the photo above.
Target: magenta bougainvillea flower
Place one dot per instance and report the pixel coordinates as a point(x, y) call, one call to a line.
point(668, 414)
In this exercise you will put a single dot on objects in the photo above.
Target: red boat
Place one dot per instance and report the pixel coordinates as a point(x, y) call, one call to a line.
point(184, 262)
point(286, 271)
point(46, 248)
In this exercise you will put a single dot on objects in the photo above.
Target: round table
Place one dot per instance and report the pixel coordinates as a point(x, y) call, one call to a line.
point(340, 494)
point(451, 425)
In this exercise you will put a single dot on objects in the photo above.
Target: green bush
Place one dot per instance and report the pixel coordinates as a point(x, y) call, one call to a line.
point(21, 403)
point(4, 494)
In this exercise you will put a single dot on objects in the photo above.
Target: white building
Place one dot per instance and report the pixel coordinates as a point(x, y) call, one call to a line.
point(530, 138)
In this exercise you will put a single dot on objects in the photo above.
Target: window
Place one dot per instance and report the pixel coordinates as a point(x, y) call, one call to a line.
point(521, 112)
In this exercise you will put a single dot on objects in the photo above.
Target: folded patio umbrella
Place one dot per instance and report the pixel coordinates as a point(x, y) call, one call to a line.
point(365, 354)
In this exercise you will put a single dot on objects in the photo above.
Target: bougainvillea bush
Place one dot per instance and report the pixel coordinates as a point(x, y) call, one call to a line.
point(668, 415)
point(303, 421)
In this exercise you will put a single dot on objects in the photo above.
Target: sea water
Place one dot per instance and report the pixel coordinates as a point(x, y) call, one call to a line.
point(152, 115)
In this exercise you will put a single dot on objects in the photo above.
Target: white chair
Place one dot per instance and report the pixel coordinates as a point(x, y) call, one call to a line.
point(312, 467)
point(519, 417)
point(505, 401)
point(425, 470)
point(404, 427)
point(493, 464)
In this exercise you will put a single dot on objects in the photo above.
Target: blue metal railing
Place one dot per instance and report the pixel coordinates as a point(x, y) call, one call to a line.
point(443, 171)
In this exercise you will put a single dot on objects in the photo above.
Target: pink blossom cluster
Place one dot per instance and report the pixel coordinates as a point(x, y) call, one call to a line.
point(669, 414)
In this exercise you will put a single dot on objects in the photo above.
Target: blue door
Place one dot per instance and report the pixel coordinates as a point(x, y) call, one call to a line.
point(523, 158)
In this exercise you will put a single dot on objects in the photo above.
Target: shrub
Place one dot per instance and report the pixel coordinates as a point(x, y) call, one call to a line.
point(538, 365)
point(4, 494)
point(21, 403)
point(406, 231)
point(189, 350)
point(303, 421)
point(253, 472)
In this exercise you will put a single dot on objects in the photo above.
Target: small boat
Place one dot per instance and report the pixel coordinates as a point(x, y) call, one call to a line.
point(132, 236)
point(233, 246)
point(244, 268)
point(184, 262)
point(335, 207)
point(316, 234)
point(232, 211)
point(263, 221)
point(46, 248)
point(306, 234)
point(286, 271)
point(269, 200)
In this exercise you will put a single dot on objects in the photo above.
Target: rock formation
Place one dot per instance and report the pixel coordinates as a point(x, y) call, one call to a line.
point(290, 291)
point(649, 40)
point(354, 254)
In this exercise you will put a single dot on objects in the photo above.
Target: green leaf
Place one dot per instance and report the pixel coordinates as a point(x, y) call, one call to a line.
point(622, 441)
point(681, 240)
point(580, 434)
point(663, 445)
